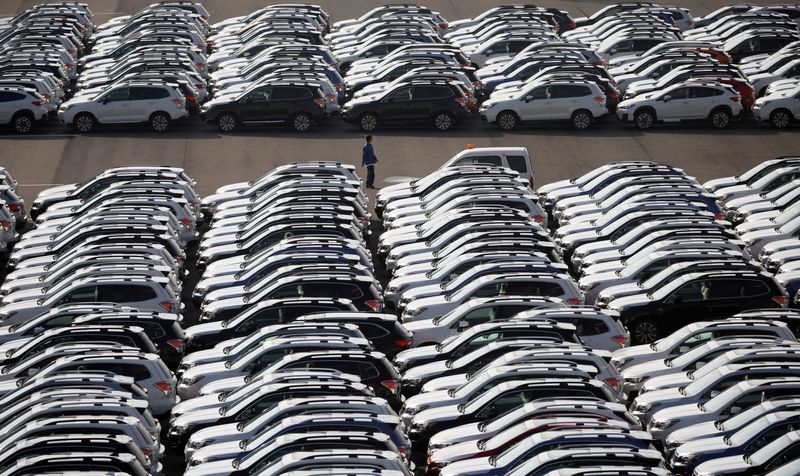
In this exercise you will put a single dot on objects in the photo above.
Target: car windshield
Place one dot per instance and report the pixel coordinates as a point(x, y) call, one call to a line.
point(672, 340)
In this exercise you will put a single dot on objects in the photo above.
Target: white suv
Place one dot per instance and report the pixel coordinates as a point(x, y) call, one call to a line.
point(780, 107)
point(156, 104)
point(21, 108)
point(683, 102)
point(579, 102)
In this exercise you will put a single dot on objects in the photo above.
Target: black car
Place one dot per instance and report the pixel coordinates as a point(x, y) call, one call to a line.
point(694, 297)
point(163, 329)
point(439, 103)
point(373, 368)
point(299, 105)
point(383, 330)
point(264, 313)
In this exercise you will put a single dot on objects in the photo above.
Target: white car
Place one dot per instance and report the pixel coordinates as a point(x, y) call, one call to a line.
point(157, 105)
point(21, 108)
point(579, 102)
point(683, 102)
point(761, 79)
point(780, 108)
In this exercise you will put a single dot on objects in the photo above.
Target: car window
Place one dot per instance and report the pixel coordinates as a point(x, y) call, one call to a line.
point(534, 288)
point(422, 93)
point(477, 316)
point(698, 93)
point(568, 91)
point(8, 96)
point(283, 93)
point(679, 93)
point(144, 93)
point(753, 288)
point(124, 293)
point(259, 95)
point(402, 94)
point(372, 331)
point(289, 290)
point(517, 163)
point(539, 93)
point(481, 159)
point(152, 329)
point(689, 292)
point(82, 294)
point(119, 94)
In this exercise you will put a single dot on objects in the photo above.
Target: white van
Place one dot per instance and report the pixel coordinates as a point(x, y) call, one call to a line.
point(514, 158)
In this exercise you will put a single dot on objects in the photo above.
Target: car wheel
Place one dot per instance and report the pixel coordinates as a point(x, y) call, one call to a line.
point(443, 121)
point(368, 122)
point(301, 122)
point(507, 120)
point(23, 123)
point(720, 119)
point(159, 121)
point(780, 119)
point(84, 123)
point(644, 331)
point(226, 122)
point(644, 119)
point(581, 119)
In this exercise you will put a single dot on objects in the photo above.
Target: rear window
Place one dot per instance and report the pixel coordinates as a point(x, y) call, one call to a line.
point(8, 96)
point(518, 163)
point(125, 293)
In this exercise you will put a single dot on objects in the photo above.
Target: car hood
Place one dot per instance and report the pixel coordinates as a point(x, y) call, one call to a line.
point(192, 405)
point(645, 369)
point(444, 383)
point(674, 380)
point(692, 433)
point(425, 352)
point(205, 369)
point(61, 190)
point(197, 417)
point(702, 446)
point(729, 464)
point(222, 385)
point(437, 414)
point(204, 329)
point(626, 302)
point(217, 451)
point(425, 370)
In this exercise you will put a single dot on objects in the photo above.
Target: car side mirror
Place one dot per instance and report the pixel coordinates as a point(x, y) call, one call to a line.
point(462, 325)
point(666, 98)
point(671, 300)
point(735, 410)
point(488, 52)
point(31, 372)
point(614, 50)
point(38, 329)
point(105, 101)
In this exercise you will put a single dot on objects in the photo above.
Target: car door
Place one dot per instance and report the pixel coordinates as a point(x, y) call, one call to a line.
point(701, 101)
point(397, 105)
point(426, 100)
point(282, 99)
point(7, 109)
point(536, 105)
point(724, 297)
point(114, 106)
point(142, 101)
point(566, 98)
point(253, 107)
point(674, 105)
point(684, 304)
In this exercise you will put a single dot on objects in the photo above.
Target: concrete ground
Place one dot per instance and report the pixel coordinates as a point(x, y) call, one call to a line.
point(55, 155)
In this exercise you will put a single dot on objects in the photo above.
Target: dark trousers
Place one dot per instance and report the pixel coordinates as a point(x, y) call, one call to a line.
point(370, 175)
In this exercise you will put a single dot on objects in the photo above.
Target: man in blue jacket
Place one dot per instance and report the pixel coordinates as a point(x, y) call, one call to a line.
point(368, 160)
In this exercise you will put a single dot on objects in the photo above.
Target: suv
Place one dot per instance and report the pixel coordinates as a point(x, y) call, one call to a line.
point(580, 102)
point(443, 103)
point(300, 105)
point(683, 102)
point(156, 104)
point(21, 108)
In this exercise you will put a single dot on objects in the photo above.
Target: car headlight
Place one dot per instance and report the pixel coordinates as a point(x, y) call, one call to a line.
point(196, 445)
point(419, 311)
point(191, 380)
point(413, 382)
point(633, 380)
point(178, 429)
point(684, 459)
point(417, 428)
point(643, 407)
point(414, 410)
point(662, 424)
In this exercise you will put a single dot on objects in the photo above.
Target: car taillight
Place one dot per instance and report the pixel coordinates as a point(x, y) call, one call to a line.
point(373, 304)
point(186, 222)
point(599, 63)
point(168, 305)
point(339, 86)
point(145, 452)
point(600, 99)
point(780, 300)
point(613, 95)
point(319, 102)
point(690, 22)
point(69, 66)
point(36, 103)
point(402, 343)
point(200, 86)
point(178, 102)
point(46, 97)
point(461, 101)
point(572, 25)
point(574, 301)
point(735, 98)
point(619, 340)
point(13, 207)
point(165, 387)
point(477, 84)
point(176, 344)
point(191, 97)
point(719, 216)
point(444, 26)
point(201, 65)
point(538, 218)
point(392, 385)
point(612, 382)
point(331, 97)
point(5, 224)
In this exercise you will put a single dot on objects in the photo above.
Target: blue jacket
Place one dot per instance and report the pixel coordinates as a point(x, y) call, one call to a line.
point(368, 155)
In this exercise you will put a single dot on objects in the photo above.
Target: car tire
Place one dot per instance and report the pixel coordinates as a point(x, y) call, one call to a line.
point(507, 120)
point(644, 119)
point(84, 123)
point(159, 121)
point(644, 331)
point(780, 118)
point(22, 122)
point(227, 122)
point(301, 122)
point(368, 122)
point(720, 118)
point(581, 119)
point(443, 121)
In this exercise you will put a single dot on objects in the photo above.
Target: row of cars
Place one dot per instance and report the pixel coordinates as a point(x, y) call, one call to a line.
point(92, 326)
point(657, 249)
point(290, 366)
